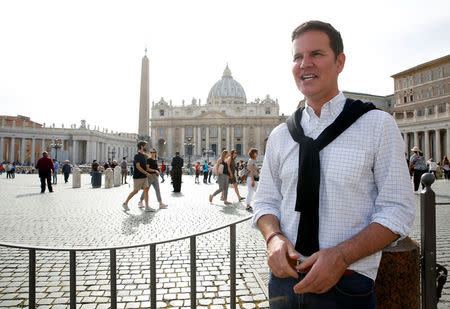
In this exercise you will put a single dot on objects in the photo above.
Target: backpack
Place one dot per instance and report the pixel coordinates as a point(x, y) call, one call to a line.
point(243, 172)
point(123, 164)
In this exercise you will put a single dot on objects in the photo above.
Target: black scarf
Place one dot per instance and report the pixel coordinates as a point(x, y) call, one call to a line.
point(308, 182)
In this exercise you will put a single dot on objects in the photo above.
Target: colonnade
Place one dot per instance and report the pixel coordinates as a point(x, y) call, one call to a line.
point(434, 143)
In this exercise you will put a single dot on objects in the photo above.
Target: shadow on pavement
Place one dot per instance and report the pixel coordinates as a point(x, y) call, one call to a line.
point(131, 224)
point(28, 194)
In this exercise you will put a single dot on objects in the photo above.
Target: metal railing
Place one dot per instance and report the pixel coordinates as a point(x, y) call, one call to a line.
point(113, 266)
point(428, 242)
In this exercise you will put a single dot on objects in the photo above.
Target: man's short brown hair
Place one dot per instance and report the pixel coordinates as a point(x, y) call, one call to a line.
point(336, 43)
point(251, 152)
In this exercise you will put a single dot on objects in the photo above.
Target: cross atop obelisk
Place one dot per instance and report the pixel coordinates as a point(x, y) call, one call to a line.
point(144, 108)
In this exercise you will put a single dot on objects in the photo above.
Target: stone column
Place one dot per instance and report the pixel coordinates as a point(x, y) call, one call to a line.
point(33, 151)
point(438, 146)
point(416, 139)
point(258, 139)
point(232, 144)
point(199, 144)
point(448, 143)
point(207, 138)
point(219, 139)
point(74, 152)
point(244, 140)
point(183, 140)
point(170, 141)
point(405, 140)
point(42, 146)
point(88, 152)
point(426, 151)
point(11, 150)
point(194, 140)
point(228, 142)
point(2, 148)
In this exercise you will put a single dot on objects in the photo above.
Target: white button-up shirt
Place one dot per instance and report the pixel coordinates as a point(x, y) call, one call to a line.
point(363, 179)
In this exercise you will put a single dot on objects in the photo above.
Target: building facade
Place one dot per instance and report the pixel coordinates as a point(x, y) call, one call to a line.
point(422, 107)
point(226, 121)
point(23, 141)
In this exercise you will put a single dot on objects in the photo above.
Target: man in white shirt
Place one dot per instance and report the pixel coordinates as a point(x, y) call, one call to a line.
point(365, 198)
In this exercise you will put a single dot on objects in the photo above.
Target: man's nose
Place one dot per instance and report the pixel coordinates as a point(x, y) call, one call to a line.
point(306, 62)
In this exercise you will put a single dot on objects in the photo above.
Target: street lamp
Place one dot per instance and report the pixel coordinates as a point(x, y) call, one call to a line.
point(56, 145)
point(189, 146)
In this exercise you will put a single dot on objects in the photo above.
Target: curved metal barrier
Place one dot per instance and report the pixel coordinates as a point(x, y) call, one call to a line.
point(113, 266)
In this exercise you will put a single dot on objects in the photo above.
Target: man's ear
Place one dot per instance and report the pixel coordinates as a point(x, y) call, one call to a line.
point(340, 61)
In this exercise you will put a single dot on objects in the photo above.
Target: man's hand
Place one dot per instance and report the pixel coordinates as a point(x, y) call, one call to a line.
point(157, 172)
point(253, 183)
point(323, 270)
point(279, 251)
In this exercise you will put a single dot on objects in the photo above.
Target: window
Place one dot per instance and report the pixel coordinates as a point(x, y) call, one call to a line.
point(203, 132)
point(440, 74)
point(431, 110)
point(238, 131)
point(161, 112)
point(224, 132)
point(430, 93)
point(419, 96)
point(420, 112)
point(419, 79)
point(214, 131)
point(441, 90)
point(405, 99)
point(267, 131)
point(397, 85)
point(441, 108)
point(161, 132)
point(411, 98)
point(268, 111)
point(189, 132)
point(429, 76)
point(404, 84)
point(398, 101)
point(410, 82)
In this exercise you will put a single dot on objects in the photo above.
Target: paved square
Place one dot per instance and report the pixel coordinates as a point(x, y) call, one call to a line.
point(89, 217)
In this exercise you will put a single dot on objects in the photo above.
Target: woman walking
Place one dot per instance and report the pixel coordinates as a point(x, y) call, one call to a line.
point(152, 168)
point(232, 171)
point(252, 177)
point(222, 170)
point(418, 166)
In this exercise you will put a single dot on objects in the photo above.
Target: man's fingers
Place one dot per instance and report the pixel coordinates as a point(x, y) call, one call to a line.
point(308, 284)
point(307, 264)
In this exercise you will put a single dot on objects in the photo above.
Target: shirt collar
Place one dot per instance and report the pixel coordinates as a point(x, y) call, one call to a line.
point(331, 109)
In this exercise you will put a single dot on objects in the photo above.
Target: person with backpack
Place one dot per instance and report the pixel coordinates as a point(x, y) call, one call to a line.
point(163, 169)
point(221, 170)
point(205, 172)
point(124, 167)
point(231, 162)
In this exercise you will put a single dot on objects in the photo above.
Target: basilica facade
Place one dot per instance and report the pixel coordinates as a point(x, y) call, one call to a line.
point(225, 121)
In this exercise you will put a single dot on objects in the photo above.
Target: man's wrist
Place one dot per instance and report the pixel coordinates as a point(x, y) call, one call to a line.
point(271, 236)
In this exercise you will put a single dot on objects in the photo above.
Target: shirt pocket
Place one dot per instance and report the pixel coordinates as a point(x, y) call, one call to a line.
point(346, 166)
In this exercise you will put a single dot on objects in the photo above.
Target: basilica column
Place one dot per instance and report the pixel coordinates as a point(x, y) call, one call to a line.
point(88, 152)
point(219, 139)
point(244, 140)
point(2, 147)
point(207, 138)
point(426, 151)
point(11, 150)
point(405, 140)
point(194, 136)
point(170, 142)
point(258, 139)
point(183, 140)
point(232, 145)
point(199, 143)
point(74, 152)
point(438, 145)
point(448, 143)
point(416, 139)
point(228, 142)
point(33, 151)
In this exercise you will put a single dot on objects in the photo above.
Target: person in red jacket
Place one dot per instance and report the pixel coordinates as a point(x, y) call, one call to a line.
point(45, 167)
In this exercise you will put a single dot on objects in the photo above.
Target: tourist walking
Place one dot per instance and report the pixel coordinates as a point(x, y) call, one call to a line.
point(139, 176)
point(418, 166)
point(55, 171)
point(205, 172)
point(124, 167)
point(231, 162)
point(197, 172)
point(177, 166)
point(446, 167)
point(163, 170)
point(153, 180)
point(221, 169)
point(252, 177)
point(66, 170)
point(45, 167)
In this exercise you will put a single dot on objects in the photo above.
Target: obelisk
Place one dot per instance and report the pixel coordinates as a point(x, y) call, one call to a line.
point(144, 109)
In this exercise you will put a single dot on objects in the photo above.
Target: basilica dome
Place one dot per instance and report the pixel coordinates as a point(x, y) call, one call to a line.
point(227, 90)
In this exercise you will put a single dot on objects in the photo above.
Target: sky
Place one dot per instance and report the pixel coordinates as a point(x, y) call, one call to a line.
point(63, 61)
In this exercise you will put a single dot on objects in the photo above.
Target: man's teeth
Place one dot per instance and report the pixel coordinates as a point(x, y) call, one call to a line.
point(308, 77)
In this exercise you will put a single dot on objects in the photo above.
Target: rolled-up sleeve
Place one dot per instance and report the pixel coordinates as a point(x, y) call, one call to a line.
point(394, 205)
point(268, 197)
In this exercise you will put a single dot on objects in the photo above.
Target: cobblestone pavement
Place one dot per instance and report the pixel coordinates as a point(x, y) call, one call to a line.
point(89, 217)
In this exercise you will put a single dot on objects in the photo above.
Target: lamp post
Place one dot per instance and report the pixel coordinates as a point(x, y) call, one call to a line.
point(56, 145)
point(189, 146)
